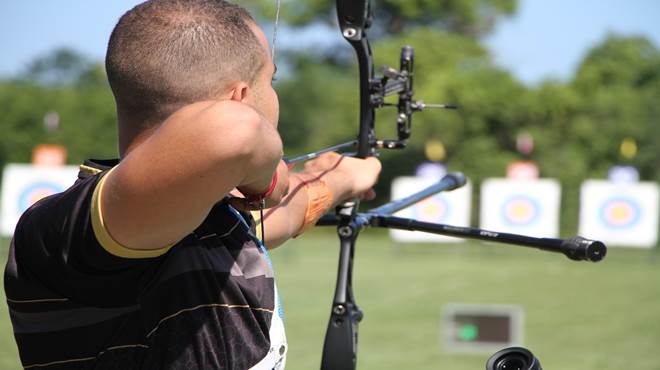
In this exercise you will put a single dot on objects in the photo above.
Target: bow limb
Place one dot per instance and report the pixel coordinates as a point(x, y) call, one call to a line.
point(354, 19)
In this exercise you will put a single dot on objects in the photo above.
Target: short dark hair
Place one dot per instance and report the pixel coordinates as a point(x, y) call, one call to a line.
point(164, 54)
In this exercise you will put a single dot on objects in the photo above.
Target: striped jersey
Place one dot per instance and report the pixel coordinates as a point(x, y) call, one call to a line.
point(79, 300)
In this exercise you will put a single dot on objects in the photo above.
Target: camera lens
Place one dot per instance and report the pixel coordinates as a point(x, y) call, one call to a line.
point(513, 358)
point(511, 364)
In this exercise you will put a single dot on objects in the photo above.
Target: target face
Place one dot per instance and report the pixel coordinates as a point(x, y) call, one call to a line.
point(25, 184)
point(520, 210)
point(35, 192)
point(620, 212)
point(451, 208)
point(434, 209)
point(529, 207)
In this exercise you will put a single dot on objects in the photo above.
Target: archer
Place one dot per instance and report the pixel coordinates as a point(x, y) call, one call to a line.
point(152, 261)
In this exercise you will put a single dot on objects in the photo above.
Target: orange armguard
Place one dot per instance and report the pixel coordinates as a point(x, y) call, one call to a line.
point(319, 200)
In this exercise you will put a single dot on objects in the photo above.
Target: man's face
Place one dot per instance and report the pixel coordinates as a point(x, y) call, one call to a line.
point(263, 97)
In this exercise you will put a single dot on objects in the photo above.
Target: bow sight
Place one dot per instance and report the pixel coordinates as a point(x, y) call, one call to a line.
point(354, 19)
point(340, 347)
point(399, 82)
point(353, 22)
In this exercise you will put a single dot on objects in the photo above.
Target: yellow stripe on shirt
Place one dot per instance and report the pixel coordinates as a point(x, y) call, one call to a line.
point(106, 240)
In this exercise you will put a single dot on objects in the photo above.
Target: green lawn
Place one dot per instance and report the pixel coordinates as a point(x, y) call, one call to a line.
point(578, 316)
point(8, 352)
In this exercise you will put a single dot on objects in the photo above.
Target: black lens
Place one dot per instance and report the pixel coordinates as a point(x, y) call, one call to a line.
point(513, 358)
point(511, 364)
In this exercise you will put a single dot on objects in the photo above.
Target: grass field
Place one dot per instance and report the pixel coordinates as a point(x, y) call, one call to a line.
point(578, 316)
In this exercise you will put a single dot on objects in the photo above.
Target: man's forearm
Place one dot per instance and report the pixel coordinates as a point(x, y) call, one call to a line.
point(289, 218)
point(325, 182)
point(284, 220)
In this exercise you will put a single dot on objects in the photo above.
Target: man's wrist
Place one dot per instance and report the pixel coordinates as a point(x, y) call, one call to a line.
point(338, 186)
point(319, 200)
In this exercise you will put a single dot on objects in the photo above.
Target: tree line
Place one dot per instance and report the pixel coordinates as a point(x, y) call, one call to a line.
point(577, 125)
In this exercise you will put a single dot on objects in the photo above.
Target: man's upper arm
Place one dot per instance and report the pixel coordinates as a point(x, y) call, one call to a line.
point(165, 187)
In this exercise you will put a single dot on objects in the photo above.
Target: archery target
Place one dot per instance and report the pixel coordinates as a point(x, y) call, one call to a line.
point(24, 185)
point(434, 209)
point(35, 192)
point(451, 208)
point(527, 207)
point(520, 210)
point(619, 214)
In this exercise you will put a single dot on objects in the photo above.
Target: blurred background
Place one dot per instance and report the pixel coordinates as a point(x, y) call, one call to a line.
point(572, 88)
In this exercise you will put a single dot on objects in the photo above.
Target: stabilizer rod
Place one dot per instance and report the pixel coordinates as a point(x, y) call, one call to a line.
point(449, 182)
point(577, 248)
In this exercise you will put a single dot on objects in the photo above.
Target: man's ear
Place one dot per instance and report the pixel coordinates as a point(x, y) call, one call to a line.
point(240, 92)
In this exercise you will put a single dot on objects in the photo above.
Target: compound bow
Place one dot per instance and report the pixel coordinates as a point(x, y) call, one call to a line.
point(340, 348)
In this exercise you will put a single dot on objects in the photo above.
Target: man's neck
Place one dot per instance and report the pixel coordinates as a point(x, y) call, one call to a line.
point(129, 138)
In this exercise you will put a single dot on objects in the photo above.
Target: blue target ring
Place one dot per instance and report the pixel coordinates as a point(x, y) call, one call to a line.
point(520, 210)
point(35, 192)
point(434, 209)
point(620, 212)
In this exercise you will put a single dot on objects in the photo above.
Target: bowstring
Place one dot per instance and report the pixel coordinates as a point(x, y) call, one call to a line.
point(262, 202)
point(278, 4)
point(262, 205)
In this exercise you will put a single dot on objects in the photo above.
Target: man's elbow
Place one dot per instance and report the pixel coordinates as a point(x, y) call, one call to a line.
point(247, 138)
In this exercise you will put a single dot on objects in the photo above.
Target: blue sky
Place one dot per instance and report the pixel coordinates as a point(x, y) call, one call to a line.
point(544, 39)
point(548, 38)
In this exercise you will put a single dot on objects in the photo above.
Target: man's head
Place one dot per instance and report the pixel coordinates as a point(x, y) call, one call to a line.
point(164, 54)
